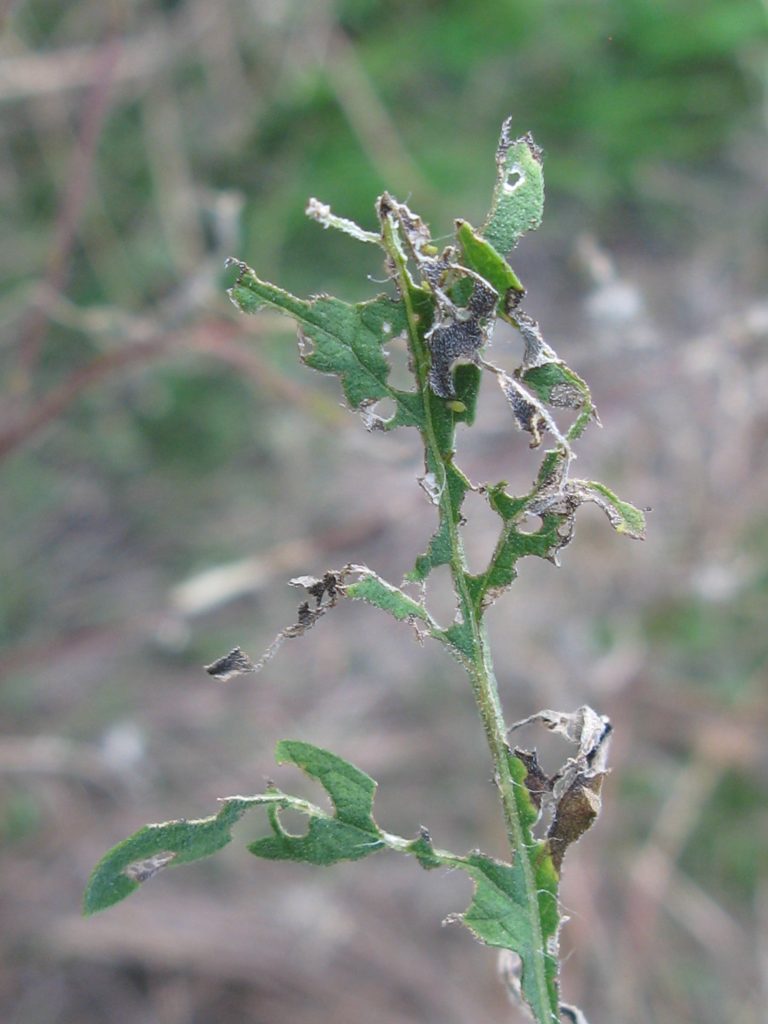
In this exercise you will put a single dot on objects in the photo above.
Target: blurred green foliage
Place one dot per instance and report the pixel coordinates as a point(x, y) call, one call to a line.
point(635, 98)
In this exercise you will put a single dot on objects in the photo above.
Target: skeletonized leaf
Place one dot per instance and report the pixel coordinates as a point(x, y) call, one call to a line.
point(323, 214)
point(459, 332)
point(530, 414)
point(622, 516)
point(464, 302)
point(557, 385)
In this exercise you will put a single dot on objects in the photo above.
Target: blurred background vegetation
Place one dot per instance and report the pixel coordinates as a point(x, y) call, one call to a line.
point(166, 465)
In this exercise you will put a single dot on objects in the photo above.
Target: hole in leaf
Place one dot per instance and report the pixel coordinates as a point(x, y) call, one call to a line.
point(143, 870)
point(441, 601)
point(293, 822)
point(375, 414)
point(396, 350)
point(480, 532)
point(496, 449)
point(306, 344)
point(515, 178)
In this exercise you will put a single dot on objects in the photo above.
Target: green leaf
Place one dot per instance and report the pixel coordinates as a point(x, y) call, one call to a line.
point(349, 835)
point(623, 517)
point(154, 847)
point(479, 255)
point(440, 549)
point(501, 914)
point(498, 914)
point(340, 338)
point(518, 196)
point(376, 591)
point(515, 542)
point(466, 381)
point(422, 849)
point(555, 500)
point(556, 384)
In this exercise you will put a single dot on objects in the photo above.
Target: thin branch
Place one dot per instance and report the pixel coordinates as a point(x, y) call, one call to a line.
point(72, 204)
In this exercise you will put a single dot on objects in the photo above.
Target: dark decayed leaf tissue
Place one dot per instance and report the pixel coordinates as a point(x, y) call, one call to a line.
point(236, 663)
point(574, 790)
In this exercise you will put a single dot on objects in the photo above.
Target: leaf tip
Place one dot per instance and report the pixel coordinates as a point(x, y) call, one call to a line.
point(236, 663)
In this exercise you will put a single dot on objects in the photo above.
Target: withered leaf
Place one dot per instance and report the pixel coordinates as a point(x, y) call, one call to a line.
point(236, 663)
point(575, 811)
point(574, 790)
point(537, 782)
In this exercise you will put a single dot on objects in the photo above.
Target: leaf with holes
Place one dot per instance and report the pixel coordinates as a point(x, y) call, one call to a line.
point(501, 913)
point(142, 855)
point(375, 591)
point(349, 834)
point(518, 196)
point(340, 338)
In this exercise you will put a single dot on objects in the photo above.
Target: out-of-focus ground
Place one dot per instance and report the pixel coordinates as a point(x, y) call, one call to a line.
point(167, 465)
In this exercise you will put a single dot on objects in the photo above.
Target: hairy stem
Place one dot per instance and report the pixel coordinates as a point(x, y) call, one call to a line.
point(486, 693)
point(476, 656)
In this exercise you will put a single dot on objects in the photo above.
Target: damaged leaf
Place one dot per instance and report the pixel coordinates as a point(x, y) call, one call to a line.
point(479, 255)
point(349, 834)
point(171, 843)
point(324, 216)
point(516, 542)
point(464, 301)
point(536, 781)
point(236, 663)
point(556, 385)
point(142, 870)
point(459, 332)
point(374, 590)
point(440, 550)
point(501, 913)
point(563, 497)
point(574, 790)
point(623, 517)
point(575, 812)
point(530, 414)
point(518, 195)
point(444, 301)
point(340, 338)
point(498, 915)
point(324, 591)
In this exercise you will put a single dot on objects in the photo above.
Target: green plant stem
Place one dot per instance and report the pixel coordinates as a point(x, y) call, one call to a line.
point(479, 665)
point(486, 693)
